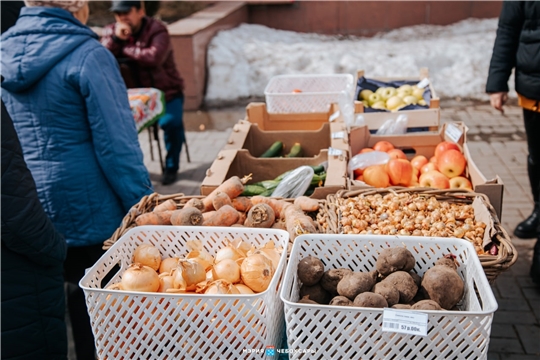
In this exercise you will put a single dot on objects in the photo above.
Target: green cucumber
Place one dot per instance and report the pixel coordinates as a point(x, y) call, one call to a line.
point(318, 178)
point(253, 189)
point(296, 151)
point(317, 168)
point(274, 150)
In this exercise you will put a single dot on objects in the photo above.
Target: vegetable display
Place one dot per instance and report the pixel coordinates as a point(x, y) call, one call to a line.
point(277, 150)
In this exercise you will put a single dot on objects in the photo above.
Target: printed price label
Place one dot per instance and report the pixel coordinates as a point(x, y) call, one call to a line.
point(405, 322)
point(423, 83)
point(339, 135)
point(453, 132)
point(334, 116)
point(334, 152)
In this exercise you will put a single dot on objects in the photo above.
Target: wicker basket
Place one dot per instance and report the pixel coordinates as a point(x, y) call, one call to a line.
point(493, 264)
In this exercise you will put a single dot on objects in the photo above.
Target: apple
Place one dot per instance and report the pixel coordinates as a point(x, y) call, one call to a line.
point(400, 171)
point(433, 159)
point(366, 103)
point(379, 105)
point(376, 176)
point(364, 94)
point(360, 178)
point(397, 154)
point(429, 167)
point(419, 161)
point(379, 90)
point(418, 93)
point(365, 150)
point(358, 172)
point(416, 172)
point(445, 145)
point(374, 98)
point(394, 102)
point(405, 89)
point(414, 178)
point(383, 146)
point(434, 179)
point(460, 182)
point(451, 163)
point(422, 102)
point(388, 92)
point(409, 99)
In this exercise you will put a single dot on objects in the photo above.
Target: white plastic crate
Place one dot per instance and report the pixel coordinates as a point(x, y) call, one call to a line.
point(342, 332)
point(139, 325)
point(317, 93)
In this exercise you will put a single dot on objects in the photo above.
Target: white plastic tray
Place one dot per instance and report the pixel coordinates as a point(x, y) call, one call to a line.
point(339, 332)
point(138, 325)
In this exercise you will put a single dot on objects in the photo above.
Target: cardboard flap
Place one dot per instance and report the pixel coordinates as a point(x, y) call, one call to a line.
point(215, 174)
point(481, 213)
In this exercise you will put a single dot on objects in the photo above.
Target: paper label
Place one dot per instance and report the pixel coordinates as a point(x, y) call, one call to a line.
point(334, 116)
point(453, 132)
point(423, 83)
point(405, 322)
point(334, 152)
point(339, 135)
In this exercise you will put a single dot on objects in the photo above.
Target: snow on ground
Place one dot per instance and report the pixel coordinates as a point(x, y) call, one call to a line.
point(242, 60)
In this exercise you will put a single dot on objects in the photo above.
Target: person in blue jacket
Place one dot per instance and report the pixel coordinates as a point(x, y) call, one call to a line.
point(71, 112)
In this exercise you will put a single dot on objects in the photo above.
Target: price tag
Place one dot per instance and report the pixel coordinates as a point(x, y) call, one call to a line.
point(405, 322)
point(453, 132)
point(339, 135)
point(423, 83)
point(334, 116)
point(334, 152)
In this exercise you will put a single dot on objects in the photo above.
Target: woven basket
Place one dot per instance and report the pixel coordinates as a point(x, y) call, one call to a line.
point(149, 202)
point(493, 264)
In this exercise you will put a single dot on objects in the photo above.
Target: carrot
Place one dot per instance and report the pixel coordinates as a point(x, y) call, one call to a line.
point(221, 199)
point(207, 215)
point(279, 225)
point(242, 204)
point(225, 216)
point(241, 218)
point(196, 203)
point(187, 216)
point(260, 216)
point(307, 204)
point(167, 205)
point(166, 215)
point(297, 222)
point(233, 187)
point(277, 205)
point(154, 218)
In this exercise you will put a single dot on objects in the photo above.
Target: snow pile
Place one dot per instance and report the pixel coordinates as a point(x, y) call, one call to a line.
point(242, 60)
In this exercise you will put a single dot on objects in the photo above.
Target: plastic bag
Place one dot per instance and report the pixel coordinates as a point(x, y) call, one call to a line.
point(359, 120)
point(362, 161)
point(394, 126)
point(295, 183)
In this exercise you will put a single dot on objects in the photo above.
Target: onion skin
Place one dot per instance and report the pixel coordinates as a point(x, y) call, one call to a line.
point(140, 278)
point(256, 272)
point(167, 265)
point(147, 255)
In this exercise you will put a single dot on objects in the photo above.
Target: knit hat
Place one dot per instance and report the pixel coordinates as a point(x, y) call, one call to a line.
point(70, 5)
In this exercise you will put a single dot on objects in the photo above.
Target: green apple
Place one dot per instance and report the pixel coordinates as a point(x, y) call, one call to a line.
point(401, 94)
point(366, 103)
point(422, 102)
point(373, 98)
point(394, 102)
point(406, 89)
point(379, 90)
point(379, 105)
point(364, 94)
point(418, 93)
point(388, 92)
point(409, 99)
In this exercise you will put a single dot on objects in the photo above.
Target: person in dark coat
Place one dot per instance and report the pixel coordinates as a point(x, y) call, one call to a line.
point(10, 13)
point(33, 252)
point(517, 46)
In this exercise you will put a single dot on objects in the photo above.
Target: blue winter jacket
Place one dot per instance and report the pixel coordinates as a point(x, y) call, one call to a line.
point(70, 108)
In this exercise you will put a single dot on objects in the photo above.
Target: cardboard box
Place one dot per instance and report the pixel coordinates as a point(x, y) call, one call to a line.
point(240, 163)
point(424, 144)
point(258, 114)
point(249, 136)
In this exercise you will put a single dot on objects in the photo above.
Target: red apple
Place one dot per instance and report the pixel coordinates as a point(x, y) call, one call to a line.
point(383, 146)
point(358, 172)
point(434, 179)
point(397, 154)
point(414, 178)
point(359, 178)
point(428, 167)
point(419, 161)
point(460, 182)
point(433, 159)
point(365, 150)
point(375, 175)
point(416, 172)
point(451, 163)
point(445, 145)
point(400, 171)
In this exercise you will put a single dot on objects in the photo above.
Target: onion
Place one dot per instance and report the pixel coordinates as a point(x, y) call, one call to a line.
point(193, 245)
point(228, 270)
point(256, 272)
point(197, 256)
point(140, 278)
point(241, 246)
point(221, 287)
point(243, 289)
point(269, 250)
point(147, 255)
point(167, 265)
point(116, 286)
point(187, 274)
point(228, 252)
point(165, 282)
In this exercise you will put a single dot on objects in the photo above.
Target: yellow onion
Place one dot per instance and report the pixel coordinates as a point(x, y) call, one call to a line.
point(165, 282)
point(243, 289)
point(269, 250)
point(196, 255)
point(147, 255)
point(241, 246)
point(228, 270)
point(167, 265)
point(228, 252)
point(187, 274)
point(256, 272)
point(139, 277)
point(116, 286)
point(221, 287)
point(196, 245)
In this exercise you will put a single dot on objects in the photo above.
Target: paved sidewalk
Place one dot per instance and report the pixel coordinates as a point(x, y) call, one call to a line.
point(498, 146)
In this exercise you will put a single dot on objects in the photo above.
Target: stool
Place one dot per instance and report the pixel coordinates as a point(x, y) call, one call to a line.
point(154, 131)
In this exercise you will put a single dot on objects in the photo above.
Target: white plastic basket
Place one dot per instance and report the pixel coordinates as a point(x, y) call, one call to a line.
point(138, 325)
point(342, 332)
point(317, 93)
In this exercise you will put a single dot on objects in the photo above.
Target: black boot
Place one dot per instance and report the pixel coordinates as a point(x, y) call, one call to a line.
point(169, 177)
point(527, 229)
point(535, 268)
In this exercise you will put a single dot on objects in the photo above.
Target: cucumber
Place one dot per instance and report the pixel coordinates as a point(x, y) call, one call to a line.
point(253, 189)
point(318, 168)
point(296, 151)
point(274, 150)
point(268, 184)
point(280, 177)
point(318, 179)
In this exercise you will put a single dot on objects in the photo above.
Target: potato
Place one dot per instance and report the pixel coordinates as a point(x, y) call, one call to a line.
point(417, 278)
point(331, 278)
point(390, 293)
point(447, 260)
point(310, 270)
point(444, 285)
point(307, 300)
point(355, 283)
point(369, 299)
point(426, 305)
point(401, 306)
point(394, 259)
point(340, 301)
point(404, 283)
point(316, 293)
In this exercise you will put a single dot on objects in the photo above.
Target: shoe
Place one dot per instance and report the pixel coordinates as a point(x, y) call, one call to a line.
point(168, 178)
point(535, 266)
point(528, 228)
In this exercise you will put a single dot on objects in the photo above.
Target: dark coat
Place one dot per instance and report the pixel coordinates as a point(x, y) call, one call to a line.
point(10, 13)
point(517, 46)
point(33, 252)
point(150, 57)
